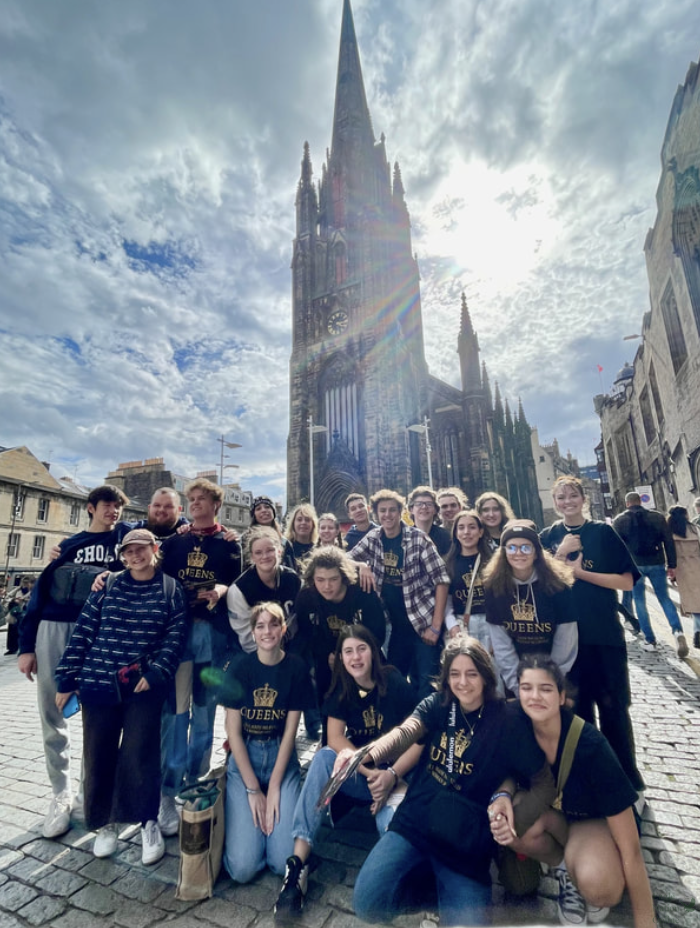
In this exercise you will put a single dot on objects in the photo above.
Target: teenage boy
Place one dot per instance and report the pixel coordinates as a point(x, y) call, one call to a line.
point(54, 607)
point(404, 567)
point(206, 564)
point(423, 506)
point(356, 507)
point(450, 502)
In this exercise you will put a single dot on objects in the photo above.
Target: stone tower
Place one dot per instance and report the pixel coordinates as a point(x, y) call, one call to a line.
point(357, 364)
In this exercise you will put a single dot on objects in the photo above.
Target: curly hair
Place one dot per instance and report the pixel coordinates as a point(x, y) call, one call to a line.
point(330, 557)
point(386, 496)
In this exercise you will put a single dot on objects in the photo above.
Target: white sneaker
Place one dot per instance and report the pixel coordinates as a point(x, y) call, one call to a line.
point(106, 841)
point(596, 913)
point(153, 846)
point(571, 906)
point(57, 821)
point(648, 645)
point(168, 816)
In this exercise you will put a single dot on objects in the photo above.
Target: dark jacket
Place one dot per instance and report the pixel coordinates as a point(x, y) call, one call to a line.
point(647, 535)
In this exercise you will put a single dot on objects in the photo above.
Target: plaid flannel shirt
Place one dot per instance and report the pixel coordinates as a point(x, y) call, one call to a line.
point(423, 570)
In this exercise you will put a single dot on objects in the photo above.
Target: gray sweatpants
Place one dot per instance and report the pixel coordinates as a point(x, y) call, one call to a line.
point(51, 641)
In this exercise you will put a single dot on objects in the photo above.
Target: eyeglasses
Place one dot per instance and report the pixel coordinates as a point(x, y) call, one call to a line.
point(423, 504)
point(520, 549)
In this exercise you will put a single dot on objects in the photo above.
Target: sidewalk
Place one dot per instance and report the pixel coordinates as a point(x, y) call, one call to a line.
point(60, 884)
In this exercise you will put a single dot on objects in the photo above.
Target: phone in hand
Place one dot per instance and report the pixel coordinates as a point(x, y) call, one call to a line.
point(72, 707)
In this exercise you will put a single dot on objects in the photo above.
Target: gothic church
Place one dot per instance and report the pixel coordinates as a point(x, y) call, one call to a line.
point(358, 364)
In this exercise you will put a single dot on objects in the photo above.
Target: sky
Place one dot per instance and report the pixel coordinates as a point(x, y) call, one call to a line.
point(149, 156)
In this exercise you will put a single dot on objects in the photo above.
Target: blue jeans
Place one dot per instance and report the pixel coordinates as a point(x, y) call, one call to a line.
point(381, 885)
point(247, 850)
point(308, 819)
point(657, 575)
point(186, 738)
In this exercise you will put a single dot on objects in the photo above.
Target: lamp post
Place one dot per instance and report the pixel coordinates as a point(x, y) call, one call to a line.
point(425, 430)
point(312, 431)
point(225, 444)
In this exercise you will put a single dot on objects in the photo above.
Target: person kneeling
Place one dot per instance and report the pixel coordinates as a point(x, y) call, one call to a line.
point(264, 693)
point(589, 836)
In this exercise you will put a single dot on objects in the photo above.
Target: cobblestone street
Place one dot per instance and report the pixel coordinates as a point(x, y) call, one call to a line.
point(59, 883)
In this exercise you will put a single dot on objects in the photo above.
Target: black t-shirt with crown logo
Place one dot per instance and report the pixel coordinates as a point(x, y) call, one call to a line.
point(266, 694)
point(369, 716)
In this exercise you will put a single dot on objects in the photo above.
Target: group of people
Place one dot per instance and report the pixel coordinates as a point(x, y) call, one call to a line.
point(446, 643)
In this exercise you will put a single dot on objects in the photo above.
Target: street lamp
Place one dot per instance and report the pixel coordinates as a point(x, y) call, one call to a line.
point(424, 430)
point(312, 431)
point(225, 444)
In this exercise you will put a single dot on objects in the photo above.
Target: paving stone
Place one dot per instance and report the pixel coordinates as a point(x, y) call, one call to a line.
point(168, 903)
point(105, 871)
point(9, 921)
point(672, 892)
point(227, 914)
point(60, 883)
point(339, 896)
point(680, 862)
point(677, 916)
point(9, 856)
point(134, 886)
point(42, 909)
point(97, 899)
point(14, 895)
point(78, 918)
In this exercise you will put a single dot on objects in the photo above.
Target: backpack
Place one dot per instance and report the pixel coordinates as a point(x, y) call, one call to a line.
point(71, 583)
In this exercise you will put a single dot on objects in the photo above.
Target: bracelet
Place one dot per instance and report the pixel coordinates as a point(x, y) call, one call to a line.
point(251, 792)
point(396, 776)
point(501, 794)
point(436, 631)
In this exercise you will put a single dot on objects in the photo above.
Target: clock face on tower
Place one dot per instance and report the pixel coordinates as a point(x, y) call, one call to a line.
point(337, 322)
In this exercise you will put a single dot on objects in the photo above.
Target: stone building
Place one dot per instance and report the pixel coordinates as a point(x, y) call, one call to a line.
point(36, 511)
point(650, 421)
point(140, 479)
point(358, 375)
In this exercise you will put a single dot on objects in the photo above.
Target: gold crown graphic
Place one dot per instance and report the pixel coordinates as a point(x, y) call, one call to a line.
point(369, 718)
point(197, 558)
point(264, 696)
point(462, 742)
point(523, 612)
point(391, 559)
point(467, 578)
point(443, 741)
point(334, 623)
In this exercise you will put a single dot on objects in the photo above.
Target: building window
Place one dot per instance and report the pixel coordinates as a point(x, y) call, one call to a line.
point(647, 419)
point(42, 514)
point(38, 547)
point(451, 459)
point(674, 330)
point(341, 409)
point(74, 513)
point(610, 460)
point(19, 505)
point(13, 540)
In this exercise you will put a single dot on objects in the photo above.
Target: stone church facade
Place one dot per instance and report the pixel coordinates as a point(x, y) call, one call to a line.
point(358, 361)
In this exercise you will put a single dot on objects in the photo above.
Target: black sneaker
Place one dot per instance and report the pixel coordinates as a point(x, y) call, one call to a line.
point(290, 901)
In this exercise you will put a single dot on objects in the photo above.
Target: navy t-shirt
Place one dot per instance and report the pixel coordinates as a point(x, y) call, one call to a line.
point(462, 570)
point(369, 716)
point(266, 694)
point(489, 747)
point(603, 552)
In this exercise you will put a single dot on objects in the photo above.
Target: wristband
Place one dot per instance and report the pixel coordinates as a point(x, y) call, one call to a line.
point(501, 794)
point(252, 792)
point(396, 776)
point(435, 630)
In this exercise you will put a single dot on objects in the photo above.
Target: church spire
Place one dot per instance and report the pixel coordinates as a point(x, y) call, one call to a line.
point(468, 351)
point(351, 119)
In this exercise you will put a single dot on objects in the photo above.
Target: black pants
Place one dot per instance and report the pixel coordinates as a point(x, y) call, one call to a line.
point(602, 678)
point(121, 756)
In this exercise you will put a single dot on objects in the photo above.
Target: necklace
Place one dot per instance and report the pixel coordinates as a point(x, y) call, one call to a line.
point(574, 529)
point(466, 740)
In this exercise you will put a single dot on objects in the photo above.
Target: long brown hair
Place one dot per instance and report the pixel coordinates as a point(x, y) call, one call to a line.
point(456, 548)
point(341, 679)
point(552, 575)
